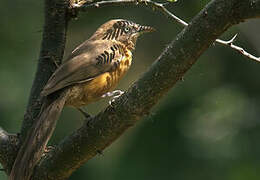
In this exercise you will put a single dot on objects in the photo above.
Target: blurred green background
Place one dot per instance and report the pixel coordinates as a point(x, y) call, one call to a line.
point(207, 127)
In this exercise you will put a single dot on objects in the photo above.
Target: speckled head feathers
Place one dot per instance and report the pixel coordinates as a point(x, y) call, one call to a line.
point(121, 30)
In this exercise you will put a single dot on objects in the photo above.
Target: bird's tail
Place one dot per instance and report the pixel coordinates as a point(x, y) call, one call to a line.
point(36, 140)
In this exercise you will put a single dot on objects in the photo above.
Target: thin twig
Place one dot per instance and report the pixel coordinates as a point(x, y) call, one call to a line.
point(237, 48)
point(161, 7)
point(149, 3)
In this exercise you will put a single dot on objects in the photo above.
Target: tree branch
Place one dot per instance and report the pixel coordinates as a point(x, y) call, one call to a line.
point(244, 14)
point(52, 50)
point(247, 10)
point(126, 111)
point(136, 103)
point(146, 3)
point(237, 48)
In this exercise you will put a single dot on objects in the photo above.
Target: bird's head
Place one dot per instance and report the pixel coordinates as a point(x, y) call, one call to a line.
point(122, 30)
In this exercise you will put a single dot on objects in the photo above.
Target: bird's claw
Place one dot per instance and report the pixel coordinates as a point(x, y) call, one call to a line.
point(114, 94)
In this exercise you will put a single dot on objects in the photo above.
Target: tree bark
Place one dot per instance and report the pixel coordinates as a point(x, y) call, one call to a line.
point(52, 50)
point(126, 111)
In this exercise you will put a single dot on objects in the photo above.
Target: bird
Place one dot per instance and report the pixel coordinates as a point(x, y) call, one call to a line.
point(91, 72)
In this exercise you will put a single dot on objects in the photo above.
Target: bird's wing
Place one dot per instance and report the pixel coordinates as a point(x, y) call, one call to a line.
point(94, 59)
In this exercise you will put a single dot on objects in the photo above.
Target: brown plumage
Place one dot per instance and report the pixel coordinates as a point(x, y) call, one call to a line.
point(93, 69)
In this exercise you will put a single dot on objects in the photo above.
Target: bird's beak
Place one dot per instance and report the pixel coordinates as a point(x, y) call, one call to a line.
point(145, 29)
point(139, 30)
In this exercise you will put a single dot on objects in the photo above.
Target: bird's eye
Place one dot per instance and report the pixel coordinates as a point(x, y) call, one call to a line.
point(127, 29)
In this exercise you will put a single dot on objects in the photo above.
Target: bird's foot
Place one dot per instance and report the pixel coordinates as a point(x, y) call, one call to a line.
point(114, 94)
point(85, 114)
point(88, 117)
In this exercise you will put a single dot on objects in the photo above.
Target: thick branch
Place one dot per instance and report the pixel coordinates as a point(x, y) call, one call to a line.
point(247, 9)
point(168, 69)
point(52, 49)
